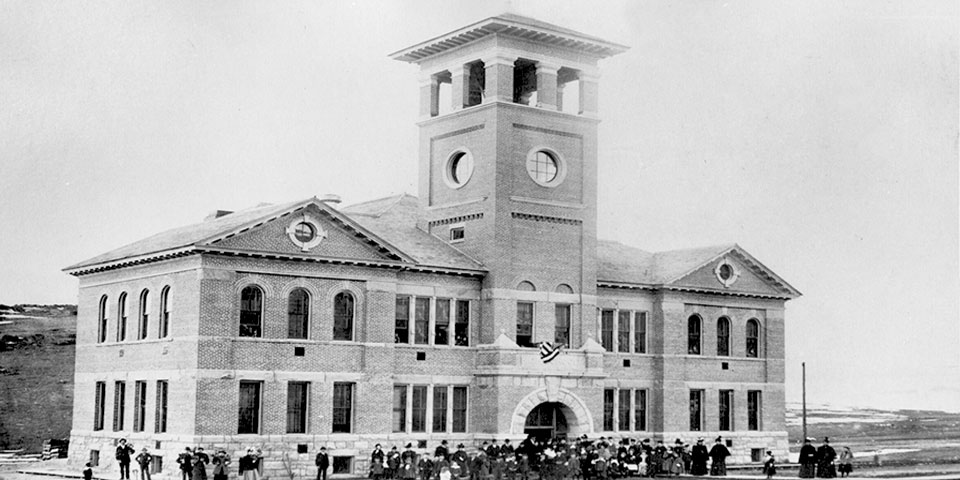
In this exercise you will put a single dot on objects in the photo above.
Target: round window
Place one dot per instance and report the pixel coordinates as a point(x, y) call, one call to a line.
point(304, 232)
point(542, 166)
point(726, 273)
point(459, 168)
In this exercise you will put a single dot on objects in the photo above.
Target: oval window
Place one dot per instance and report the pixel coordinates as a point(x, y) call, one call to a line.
point(459, 168)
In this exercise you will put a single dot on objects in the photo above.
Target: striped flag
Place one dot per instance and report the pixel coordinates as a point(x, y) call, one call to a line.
point(548, 352)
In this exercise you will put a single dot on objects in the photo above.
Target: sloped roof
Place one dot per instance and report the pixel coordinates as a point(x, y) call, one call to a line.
point(395, 219)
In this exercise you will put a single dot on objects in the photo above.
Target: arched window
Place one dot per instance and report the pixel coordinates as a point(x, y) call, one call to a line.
point(343, 316)
point(122, 317)
point(693, 335)
point(753, 338)
point(251, 312)
point(564, 288)
point(102, 321)
point(298, 308)
point(164, 312)
point(526, 286)
point(723, 337)
point(144, 314)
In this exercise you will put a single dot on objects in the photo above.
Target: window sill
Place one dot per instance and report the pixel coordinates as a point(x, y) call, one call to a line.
point(124, 343)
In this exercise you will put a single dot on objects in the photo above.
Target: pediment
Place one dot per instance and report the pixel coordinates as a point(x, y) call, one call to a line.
point(736, 272)
point(312, 230)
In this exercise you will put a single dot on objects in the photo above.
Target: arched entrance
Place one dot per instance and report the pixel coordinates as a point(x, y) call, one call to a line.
point(546, 421)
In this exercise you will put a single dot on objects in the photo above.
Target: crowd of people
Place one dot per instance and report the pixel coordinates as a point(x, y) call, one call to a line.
point(554, 459)
point(547, 459)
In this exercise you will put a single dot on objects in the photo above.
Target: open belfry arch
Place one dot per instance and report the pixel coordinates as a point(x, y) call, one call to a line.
point(417, 319)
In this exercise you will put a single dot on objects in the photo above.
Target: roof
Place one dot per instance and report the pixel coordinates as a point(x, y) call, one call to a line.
point(512, 25)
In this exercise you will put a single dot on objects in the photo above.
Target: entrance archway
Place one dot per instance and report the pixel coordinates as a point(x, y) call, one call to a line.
point(547, 421)
point(576, 416)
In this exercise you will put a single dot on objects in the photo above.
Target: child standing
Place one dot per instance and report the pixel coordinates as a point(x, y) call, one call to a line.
point(87, 472)
point(770, 465)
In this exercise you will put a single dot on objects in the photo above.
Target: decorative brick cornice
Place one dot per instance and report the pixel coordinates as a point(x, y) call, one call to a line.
point(461, 218)
point(545, 218)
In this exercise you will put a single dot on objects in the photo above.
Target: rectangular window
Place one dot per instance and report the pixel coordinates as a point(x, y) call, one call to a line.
point(160, 419)
point(119, 398)
point(99, 405)
point(297, 395)
point(342, 465)
point(456, 233)
point(608, 413)
point(624, 410)
point(640, 332)
point(754, 406)
point(606, 330)
point(561, 334)
point(418, 418)
point(297, 308)
point(461, 329)
point(439, 409)
point(459, 409)
point(441, 335)
point(248, 416)
point(399, 408)
point(696, 410)
point(525, 324)
point(139, 405)
point(402, 328)
point(726, 404)
point(342, 407)
point(623, 331)
point(640, 410)
point(421, 321)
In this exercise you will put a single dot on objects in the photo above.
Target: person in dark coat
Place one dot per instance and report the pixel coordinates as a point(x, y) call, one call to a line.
point(442, 451)
point(250, 465)
point(718, 457)
point(425, 467)
point(87, 471)
point(323, 463)
point(204, 460)
point(393, 462)
point(123, 458)
point(770, 465)
point(221, 464)
point(808, 459)
point(825, 458)
point(144, 459)
point(462, 460)
point(185, 460)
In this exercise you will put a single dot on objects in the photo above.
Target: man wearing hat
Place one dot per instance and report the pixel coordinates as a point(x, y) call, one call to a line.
point(409, 455)
point(144, 460)
point(718, 457)
point(393, 462)
point(323, 462)
point(460, 459)
point(442, 452)
point(698, 460)
point(825, 457)
point(808, 459)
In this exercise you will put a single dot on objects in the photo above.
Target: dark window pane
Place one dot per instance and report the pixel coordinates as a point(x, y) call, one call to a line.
point(160, 420)
point(441, 327)
point(248, 417)
point(297, 407)
point(696, 403)
point(399, 408)
point(606, 330)
point(343, 314)
point(402, 325)
point(726, 400)
point(623, 331)
point(640, 410)
point(251, 309)
point(693, 335)
point(640, 332)
point(144, 315)
point(459, 409)
point(342, 407)
point(525, 324)
point(102, 324)
point(561, 334)
point(342, 465)
point(119, 399)
point(608, 411)
point(165, 312)
point(753, 410)
point(753, 336)
point(723, 337)
point(419, 407)
point(439, 408)
point(623, 411)
point(122, 318)
point(421, 321)
point(461, 333)
point(99, 405)
point(298, 308)
point(139, 405)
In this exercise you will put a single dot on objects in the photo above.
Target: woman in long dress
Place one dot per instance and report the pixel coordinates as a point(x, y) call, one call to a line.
point(250, 466)
point(846, 462)
point(718, 455)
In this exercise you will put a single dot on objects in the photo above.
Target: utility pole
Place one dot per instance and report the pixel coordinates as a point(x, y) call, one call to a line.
point(804, 365)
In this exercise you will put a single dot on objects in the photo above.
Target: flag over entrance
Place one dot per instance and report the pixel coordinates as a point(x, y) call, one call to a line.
point(548, 351)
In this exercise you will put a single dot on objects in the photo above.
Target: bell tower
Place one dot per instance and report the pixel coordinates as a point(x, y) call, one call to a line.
point(508, 166)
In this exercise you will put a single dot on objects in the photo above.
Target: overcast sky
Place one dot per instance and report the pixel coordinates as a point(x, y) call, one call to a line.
point(820, 136)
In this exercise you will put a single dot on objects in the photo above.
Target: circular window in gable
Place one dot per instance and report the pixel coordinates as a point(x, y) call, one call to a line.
point(305, 232)
point(459, 168)
point(545, 167)
point(726, 272)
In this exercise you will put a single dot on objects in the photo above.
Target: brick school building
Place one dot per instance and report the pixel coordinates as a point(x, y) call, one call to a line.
point(418, 319)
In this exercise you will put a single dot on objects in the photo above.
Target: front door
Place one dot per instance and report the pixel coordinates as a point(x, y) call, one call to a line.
point(546, 421)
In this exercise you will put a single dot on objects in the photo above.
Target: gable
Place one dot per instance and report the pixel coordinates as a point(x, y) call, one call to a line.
point(747, 280)
point(337, 241)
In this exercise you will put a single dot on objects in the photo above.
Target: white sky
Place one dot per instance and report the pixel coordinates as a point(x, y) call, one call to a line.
point(820, 137)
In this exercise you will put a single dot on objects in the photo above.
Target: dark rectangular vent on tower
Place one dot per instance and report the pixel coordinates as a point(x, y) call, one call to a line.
point(299, 351)
point(421, 356)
